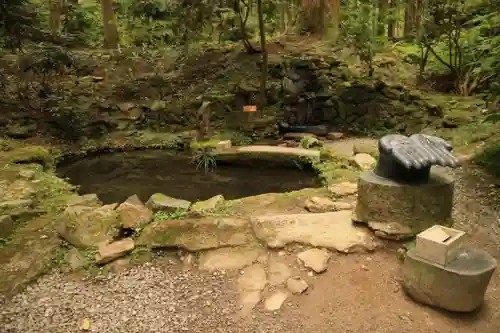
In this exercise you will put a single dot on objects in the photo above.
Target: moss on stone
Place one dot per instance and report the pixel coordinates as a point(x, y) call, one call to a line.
point(32, 154)
point(366, 148)
point(207, 144)
point(159, 140)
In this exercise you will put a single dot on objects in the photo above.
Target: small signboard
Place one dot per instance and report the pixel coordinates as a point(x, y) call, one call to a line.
point(249, 108)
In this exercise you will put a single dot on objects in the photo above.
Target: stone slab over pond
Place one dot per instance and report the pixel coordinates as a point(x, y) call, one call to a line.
point(115, 177)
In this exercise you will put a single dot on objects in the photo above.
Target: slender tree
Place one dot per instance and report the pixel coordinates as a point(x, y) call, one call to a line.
point(55, 9)
point(111, 38)
point(335, 18)
point(263, 75)
point(410, 18)
point(315, 16)
point(383, 8)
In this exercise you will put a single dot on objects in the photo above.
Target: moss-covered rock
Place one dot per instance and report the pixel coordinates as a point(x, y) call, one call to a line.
point(370, 148)
point(88, 227)
point(161, 202)
point(201, 207)
point(32, 154)
point(196, 234)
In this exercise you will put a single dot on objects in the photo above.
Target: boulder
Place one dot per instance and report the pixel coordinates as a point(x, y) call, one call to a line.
point(15, 204)
point(223, 145)
point(200, 207)
point(6, 226)
point(164, 203)
point(133, 216)
point(323, 205)
point(112, 251)
point(85, 227)
point(310, 142)
point(20, 189)
point(334, 230)
point(364, 161)
point(196, 234)
point(369, 147)
point(315, 259)
point(76, 260)
point(343, 189)
point(296, 285)
point(27, 174)
point(297, 136)
point(134, 200)
point(88, 200)
point(334, 136)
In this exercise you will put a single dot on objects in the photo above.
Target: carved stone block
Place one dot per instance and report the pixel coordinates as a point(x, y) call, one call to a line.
point(396, 210)
point(439, 244)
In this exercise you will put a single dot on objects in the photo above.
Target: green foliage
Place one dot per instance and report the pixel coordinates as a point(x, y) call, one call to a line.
point(360, 27)
point(42, 92)
point(308, 142)
point(18, 23)
point(84, 23)
point(178, 214)
point(205, 158)
point(464, 42)
point(493, 118)
point(489, 159)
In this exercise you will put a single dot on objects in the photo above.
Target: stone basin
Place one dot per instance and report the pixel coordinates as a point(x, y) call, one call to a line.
point(459, 286)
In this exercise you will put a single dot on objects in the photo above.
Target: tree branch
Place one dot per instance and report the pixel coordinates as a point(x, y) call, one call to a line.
point(441, 60)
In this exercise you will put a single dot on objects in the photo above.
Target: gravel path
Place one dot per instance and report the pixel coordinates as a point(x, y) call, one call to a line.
point(150, 298)
point(357, 294)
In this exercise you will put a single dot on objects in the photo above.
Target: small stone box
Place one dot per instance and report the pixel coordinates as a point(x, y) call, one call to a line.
point(439, 244)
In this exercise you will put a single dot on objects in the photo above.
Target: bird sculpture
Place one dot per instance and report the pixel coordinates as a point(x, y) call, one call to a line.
point(409, 159)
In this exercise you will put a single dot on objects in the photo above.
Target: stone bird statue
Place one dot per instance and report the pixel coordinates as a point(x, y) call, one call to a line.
point(410, 158)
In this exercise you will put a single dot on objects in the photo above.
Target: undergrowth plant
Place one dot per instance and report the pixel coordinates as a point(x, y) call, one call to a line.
point(205, 159)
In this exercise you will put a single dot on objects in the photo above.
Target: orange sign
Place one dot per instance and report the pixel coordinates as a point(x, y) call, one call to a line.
point(249, 108)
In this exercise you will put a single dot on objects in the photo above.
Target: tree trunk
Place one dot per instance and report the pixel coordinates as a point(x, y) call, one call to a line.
point(263, 75)
point(383, 7)
point(419, 14)
point(322, 18)
point(282, 15)
point(243, 28)
point(109, 22)
point(55, 9)
point(410, 19)
point(391, 24)
point(315, 16)
point(335, 14)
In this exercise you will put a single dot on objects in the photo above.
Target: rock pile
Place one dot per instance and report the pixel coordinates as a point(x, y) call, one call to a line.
point(112, 231)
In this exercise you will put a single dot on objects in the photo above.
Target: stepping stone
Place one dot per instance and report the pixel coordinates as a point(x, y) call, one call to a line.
point(334, 231)
point(315, 259)
point(275, 301)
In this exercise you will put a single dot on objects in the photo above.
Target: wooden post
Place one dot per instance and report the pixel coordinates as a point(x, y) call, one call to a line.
point(203, 116)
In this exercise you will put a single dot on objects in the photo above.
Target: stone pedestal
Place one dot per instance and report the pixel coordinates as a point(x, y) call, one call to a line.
point(397, 211)
point(459, 286)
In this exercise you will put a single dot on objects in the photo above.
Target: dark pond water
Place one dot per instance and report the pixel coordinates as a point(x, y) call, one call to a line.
point(114, 177)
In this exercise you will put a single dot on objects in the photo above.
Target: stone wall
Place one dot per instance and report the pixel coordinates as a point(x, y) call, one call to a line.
point(322, 91)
